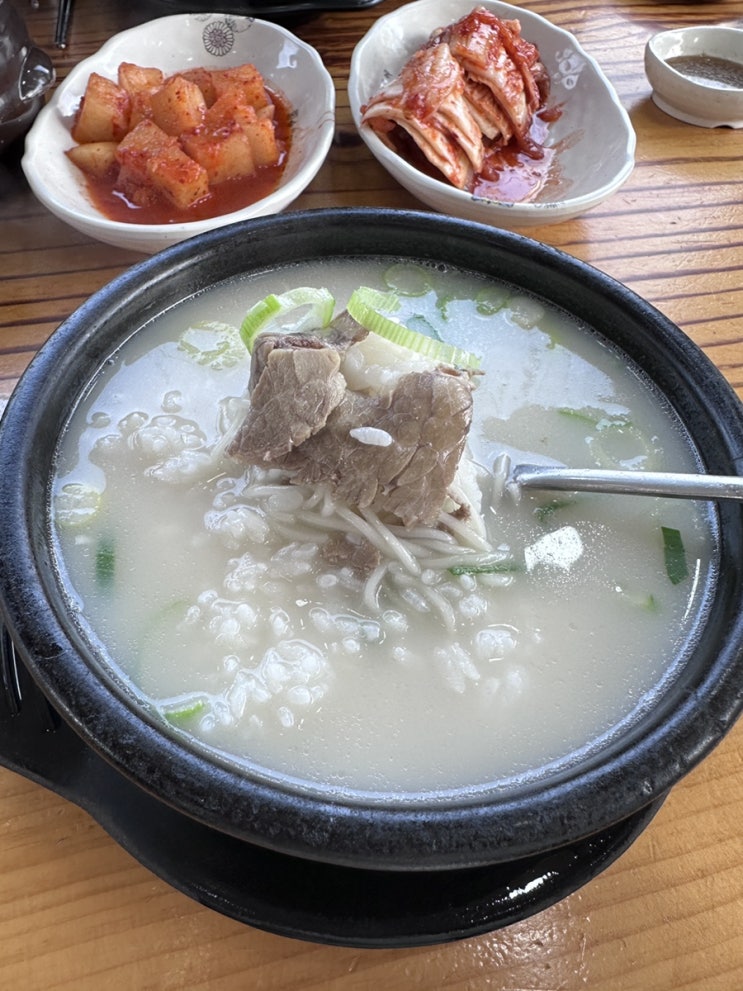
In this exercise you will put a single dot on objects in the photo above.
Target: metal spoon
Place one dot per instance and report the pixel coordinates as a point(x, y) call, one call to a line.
point(649, 483)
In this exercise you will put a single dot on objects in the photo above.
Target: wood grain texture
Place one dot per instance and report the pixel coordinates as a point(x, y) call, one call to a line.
point(78, 913)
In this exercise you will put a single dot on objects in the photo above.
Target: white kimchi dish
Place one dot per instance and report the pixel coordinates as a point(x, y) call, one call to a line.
point(589, 136)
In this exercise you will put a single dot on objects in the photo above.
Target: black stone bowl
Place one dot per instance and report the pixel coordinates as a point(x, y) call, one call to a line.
point(610, 791)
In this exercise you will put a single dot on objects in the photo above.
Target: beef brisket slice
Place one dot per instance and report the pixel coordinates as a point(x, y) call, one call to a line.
point(291, 398)
point(427, 416)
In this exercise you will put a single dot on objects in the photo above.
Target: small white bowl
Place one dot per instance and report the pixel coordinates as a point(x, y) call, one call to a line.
point(175, 43)
point(686, 98)
point(593, 137)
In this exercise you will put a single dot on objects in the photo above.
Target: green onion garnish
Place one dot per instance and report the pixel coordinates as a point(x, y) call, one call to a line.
point(492, 299)
point(674, 555)
point(645, 601)
point(318, 305)
point(214, 344)
point(546, 512)
point(177, 714)
point(407, 280)
point(583, 415)
point(494, 568)
point(370, 308)
point(105, 561)
point(77, 504)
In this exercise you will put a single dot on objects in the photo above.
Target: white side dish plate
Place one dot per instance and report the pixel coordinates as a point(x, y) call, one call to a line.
point(176, 43)
point(690, 99)
point(593, 136)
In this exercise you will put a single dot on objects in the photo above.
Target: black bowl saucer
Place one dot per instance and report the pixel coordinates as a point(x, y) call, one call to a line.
point(303, 899)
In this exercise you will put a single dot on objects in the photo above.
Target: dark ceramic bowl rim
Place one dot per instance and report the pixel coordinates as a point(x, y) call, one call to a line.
point(637, 769)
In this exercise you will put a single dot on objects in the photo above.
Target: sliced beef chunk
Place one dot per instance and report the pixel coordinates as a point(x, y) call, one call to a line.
point(304, 419)
point(294, 384)
point(291, 400)
point(340, 335)
point(426, 416)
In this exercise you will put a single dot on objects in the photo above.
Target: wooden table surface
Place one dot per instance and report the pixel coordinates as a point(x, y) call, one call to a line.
point(78, 912)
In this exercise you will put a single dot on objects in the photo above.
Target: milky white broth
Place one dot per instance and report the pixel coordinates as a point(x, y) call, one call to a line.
point(230, 626)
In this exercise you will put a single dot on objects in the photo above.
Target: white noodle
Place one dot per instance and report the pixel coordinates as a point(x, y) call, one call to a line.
point(465, 533)
point(395, 547)
point(321, 522)
point(423, 534)
point(371, 588)
point(314, 497)
point(262, 490)
point(232, 416)
point(442, 605)
point(465, 556)
point(328, 505)
point(290, 532)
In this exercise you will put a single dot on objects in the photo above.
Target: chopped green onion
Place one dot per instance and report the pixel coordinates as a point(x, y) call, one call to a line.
point(526, 312)
point(375, 300)
point(494, 568)
point(648, 603)
point(318, 306)
point(188, 709)
point(674, 555)
point(444, 301)
point(491, 300)
point(546, 512)
point(596, 417)
point(76, 504)
point(105, 561)
point(369, 307)
point(582, 415)
point(407, 280)
point(213, 344)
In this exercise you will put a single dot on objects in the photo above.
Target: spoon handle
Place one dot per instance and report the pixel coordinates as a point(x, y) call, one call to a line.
point(649, 483)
